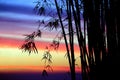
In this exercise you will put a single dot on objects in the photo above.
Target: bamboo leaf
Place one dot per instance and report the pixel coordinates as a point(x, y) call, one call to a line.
point(30, 47)
point(44, 73)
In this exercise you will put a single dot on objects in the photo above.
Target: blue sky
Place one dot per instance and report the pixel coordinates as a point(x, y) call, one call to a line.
point(17, 16)
point(20, 13)
point(18, 2)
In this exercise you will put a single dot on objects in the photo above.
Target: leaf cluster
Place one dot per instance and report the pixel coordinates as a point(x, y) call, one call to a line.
point(47, 57)
point(29, 44)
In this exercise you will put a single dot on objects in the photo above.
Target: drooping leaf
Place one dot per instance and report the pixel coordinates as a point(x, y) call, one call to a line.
point(49, 25)
point(30, 47)
point(56, 24)
point(55, 44)
point(49, 60)
point(44, 58)
point(40, 22)
point(53, 24)
point(44, 73)
point(38, 33)
point(49, 68)
point(30, 37)
point(41, 10)
point(47, 57)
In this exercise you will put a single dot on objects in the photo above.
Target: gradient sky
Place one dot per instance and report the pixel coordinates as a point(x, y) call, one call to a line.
point(16, 19)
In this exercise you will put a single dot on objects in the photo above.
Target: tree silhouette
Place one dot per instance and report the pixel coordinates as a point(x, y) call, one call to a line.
point(99, 16)
point(97, 38)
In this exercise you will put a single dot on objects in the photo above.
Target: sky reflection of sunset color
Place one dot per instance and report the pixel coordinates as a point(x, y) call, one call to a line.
point(12, 58)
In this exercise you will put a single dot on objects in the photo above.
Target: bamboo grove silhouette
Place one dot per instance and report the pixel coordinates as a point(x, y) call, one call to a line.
point(97, 38)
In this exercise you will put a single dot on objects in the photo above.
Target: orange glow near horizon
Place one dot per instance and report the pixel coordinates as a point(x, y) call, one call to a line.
point(12, 59)
point(9, 69)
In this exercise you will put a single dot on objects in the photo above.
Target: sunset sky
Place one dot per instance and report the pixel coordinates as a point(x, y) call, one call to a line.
point(16, 19)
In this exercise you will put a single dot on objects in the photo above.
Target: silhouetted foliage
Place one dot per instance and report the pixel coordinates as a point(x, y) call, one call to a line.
point(55, 44)
point(52, 25)
point(49, 68)
point(44, 73)
point(47, 57)
point(29, 46)
point(38, 33)
point(97, 38)
point(41, 10)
